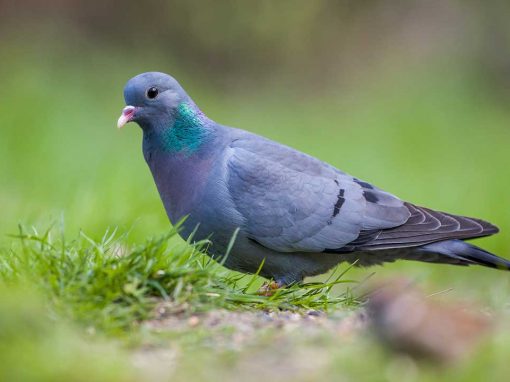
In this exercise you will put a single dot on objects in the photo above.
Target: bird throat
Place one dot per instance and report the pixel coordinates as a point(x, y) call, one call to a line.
point(187, 132)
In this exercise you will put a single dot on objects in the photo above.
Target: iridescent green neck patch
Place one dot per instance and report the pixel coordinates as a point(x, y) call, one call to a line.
point(188, 131)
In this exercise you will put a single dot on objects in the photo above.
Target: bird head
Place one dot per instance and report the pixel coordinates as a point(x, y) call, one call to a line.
point(152, 99)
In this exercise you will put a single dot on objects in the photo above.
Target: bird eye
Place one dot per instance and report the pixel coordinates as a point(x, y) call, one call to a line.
point(152, 92)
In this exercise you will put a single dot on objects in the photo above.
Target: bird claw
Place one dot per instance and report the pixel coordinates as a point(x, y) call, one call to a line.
point(269, 288)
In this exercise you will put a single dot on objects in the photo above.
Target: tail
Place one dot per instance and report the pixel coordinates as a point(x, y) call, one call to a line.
point(460, 253)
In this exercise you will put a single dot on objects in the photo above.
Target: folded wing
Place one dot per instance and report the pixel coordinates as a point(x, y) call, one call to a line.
point(293, 202)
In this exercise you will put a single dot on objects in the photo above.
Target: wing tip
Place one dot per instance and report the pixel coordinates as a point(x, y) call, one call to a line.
point(487, 227)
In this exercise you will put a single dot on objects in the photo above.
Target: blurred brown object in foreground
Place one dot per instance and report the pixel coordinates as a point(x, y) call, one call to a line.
point(407, 321)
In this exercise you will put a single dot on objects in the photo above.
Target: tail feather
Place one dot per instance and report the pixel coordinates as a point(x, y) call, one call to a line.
point(463, 253)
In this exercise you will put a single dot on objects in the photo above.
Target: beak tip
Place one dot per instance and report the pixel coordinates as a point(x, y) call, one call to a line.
point(121, 122)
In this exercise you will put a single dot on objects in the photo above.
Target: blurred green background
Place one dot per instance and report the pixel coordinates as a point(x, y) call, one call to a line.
point(411, 96)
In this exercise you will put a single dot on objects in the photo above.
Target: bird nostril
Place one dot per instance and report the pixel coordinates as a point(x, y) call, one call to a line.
point(128, 111)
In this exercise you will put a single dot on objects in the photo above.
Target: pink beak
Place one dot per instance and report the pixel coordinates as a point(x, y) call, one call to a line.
point(127, 116)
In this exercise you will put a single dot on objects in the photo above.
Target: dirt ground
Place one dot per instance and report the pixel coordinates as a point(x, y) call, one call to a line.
point(255, 344)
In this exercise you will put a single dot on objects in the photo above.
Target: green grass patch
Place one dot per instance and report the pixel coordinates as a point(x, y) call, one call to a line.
point(113, 286)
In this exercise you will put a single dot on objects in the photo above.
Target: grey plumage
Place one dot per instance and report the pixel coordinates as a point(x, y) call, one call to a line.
point(296, 213)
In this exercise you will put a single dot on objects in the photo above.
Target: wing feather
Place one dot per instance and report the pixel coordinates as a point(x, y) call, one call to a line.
point(427, 226)
point(293, 202)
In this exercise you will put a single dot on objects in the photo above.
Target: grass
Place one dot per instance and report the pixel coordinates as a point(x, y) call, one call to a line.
point(110, 286)
point(66, 303)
